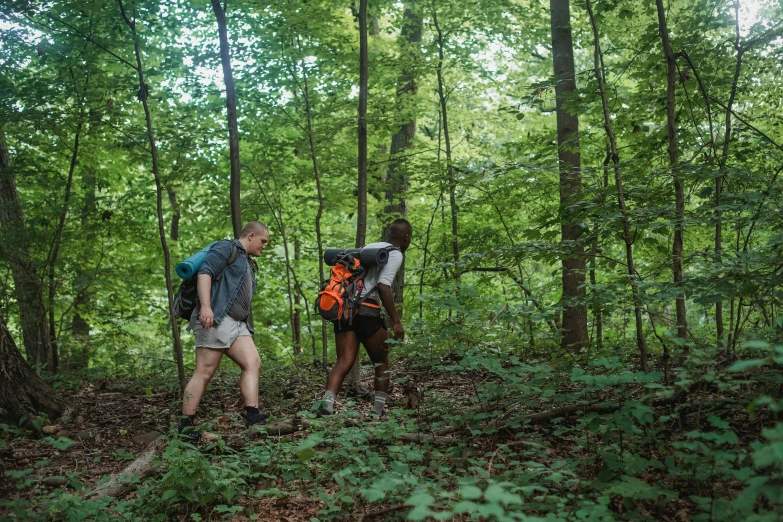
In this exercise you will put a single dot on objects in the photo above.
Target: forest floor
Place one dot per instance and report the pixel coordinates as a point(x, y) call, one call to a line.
point(119, 419)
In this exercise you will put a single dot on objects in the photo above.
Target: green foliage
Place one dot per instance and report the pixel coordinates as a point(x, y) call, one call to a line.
point(496, 327)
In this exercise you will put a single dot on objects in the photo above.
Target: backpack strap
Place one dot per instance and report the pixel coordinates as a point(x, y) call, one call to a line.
point(231, 258)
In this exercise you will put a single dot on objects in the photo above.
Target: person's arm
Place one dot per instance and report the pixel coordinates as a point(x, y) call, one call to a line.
point(387, 299)
point(216, 260)
point(204, 286)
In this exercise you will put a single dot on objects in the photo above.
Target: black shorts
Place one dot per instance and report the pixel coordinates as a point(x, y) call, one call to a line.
point(364, 327)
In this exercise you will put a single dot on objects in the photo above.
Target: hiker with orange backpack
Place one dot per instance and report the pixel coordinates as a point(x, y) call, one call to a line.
point(357, 314)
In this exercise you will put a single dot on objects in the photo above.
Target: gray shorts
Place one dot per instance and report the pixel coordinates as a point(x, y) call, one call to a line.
point(220, 336)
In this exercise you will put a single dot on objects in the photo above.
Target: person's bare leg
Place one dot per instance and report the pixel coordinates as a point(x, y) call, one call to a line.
point(347, 347)
point(378, 351)
point(243, 352)
point(207, 360)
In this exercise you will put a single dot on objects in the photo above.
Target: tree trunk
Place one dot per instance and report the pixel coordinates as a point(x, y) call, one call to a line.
point(142, 95)
point(80, 328)
point(633, 277)
point(319, 190)
point(291, 292)
point(361, 219)
point(297, 300)
point(27, 283)
point(396, 177)
point(22, 392)
point(176, 214)
point(320, 211)
point(52, 264)
point(575, 335)
point(722, 165)
point(627, 237)
point(233, 129)
point(449, 167)
point(679, 194)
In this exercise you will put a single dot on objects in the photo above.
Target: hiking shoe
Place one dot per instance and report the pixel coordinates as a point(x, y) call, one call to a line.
point(323, 412)
point(189, 433)
point(259, 420)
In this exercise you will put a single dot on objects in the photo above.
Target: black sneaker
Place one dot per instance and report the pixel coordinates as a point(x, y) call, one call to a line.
point(188, 432)
point(323, 412)
point(258, 421)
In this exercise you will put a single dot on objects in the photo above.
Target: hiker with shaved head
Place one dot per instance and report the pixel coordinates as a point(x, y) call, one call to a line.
point(368, 326)
point(226, 283)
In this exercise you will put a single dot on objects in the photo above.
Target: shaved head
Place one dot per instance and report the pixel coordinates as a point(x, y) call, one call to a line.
point(256, 227)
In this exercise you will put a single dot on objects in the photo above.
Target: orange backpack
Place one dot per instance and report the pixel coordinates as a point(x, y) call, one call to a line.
point(340, 295)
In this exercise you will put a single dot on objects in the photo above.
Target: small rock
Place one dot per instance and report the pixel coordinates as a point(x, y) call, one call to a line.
point(84, 436)
point(51, 430)
point(146, 438)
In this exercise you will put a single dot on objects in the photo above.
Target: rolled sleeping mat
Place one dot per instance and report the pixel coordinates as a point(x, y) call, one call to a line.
point(331, 254)
point(189, 267)
point(377, 256)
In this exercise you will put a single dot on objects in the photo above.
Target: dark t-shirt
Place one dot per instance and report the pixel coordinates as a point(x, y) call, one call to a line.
point(240, 308)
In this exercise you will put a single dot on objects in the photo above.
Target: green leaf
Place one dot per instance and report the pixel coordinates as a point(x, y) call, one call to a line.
point(499, 494)
point(306, 454)
point(756, 345)
point(741, 366)
point(470, 492)
point(372, 494)
point(61, 443)
point(421, 499)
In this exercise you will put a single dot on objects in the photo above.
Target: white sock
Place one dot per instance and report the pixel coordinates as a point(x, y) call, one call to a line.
point(380, 402)
point(328, 401)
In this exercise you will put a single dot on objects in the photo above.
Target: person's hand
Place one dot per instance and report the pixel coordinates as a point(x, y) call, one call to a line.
point(398, 332)
point(206, 317)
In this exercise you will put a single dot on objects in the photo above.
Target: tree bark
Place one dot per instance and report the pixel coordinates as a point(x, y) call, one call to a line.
point(176, 213)
point(22, 392)
point(27, 282)
point(233, 128)
point(633, 277)
point(575, 335)
point(679, 193)
point(361, 218)
point(143, 95)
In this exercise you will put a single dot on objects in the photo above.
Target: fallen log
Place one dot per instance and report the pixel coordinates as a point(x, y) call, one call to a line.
point(140, 468)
